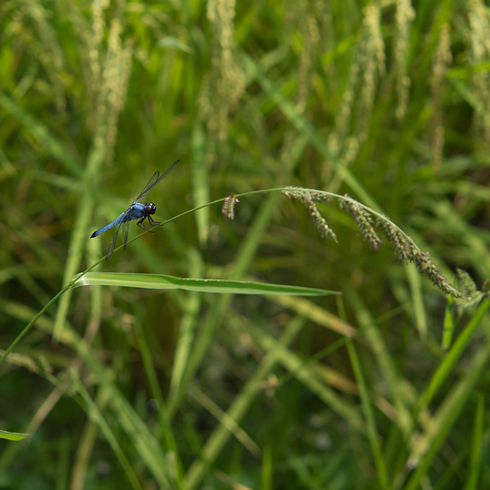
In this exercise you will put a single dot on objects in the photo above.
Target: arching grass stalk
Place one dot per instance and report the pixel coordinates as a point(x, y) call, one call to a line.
point(405, 247)
point(367, 219)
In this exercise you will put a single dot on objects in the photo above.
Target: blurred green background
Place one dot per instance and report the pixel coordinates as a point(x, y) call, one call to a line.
point(388, 101)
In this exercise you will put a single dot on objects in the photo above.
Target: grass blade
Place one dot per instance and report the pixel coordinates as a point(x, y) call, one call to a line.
point(372, 432)
point(164, 282)
point(12, 436)
point(475, 459)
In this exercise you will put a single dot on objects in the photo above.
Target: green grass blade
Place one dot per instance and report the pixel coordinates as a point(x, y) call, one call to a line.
point(200, 182)
point(151, 374)
point(458, 227)
point(226, 421)
point(308, 130)
point(372, 431)
point(417, 299)
point(149, 449)
point(78, 240)
point(476, 446)
point(307, 375)
point(446, 417)
point(187, 328)
point(316, 314)
point(446, 367)
point(12, 436)
point(97, 417)
point(43, 135)
point(471, 97)
point(222, 286)
point(239, 407)
point(448, 324)
point(384, 360)
point(267, 469)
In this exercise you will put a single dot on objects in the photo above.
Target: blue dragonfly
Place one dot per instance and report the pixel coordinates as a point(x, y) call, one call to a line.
point(137, 210)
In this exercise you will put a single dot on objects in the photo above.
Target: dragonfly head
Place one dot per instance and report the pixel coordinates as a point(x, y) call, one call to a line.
point(150, 208)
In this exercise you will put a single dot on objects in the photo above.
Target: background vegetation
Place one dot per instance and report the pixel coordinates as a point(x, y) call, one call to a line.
point(388, 101)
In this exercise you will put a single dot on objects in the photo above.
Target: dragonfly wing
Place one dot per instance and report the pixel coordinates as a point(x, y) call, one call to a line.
point(156, 177)
point(125, 232)
point(112, 246)
point(148, 187)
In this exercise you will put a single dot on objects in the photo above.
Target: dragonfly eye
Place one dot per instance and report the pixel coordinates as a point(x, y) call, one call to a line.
point(151, 208)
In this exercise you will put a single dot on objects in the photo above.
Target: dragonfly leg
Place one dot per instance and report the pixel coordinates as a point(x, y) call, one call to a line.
point(153, 222)
point(141, 225)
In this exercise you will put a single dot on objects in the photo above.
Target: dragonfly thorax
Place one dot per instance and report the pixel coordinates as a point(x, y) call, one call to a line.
point(150, 208)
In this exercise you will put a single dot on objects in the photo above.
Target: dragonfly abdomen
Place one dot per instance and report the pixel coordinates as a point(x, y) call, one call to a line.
point(116, 222)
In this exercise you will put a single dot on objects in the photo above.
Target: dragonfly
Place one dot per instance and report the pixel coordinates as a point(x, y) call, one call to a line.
point(138, 210)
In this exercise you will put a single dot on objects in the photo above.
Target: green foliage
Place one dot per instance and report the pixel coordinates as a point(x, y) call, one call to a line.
point(387, 102)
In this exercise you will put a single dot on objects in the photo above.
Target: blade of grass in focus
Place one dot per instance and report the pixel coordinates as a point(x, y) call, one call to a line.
point(163, 282)
point(12, 436)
